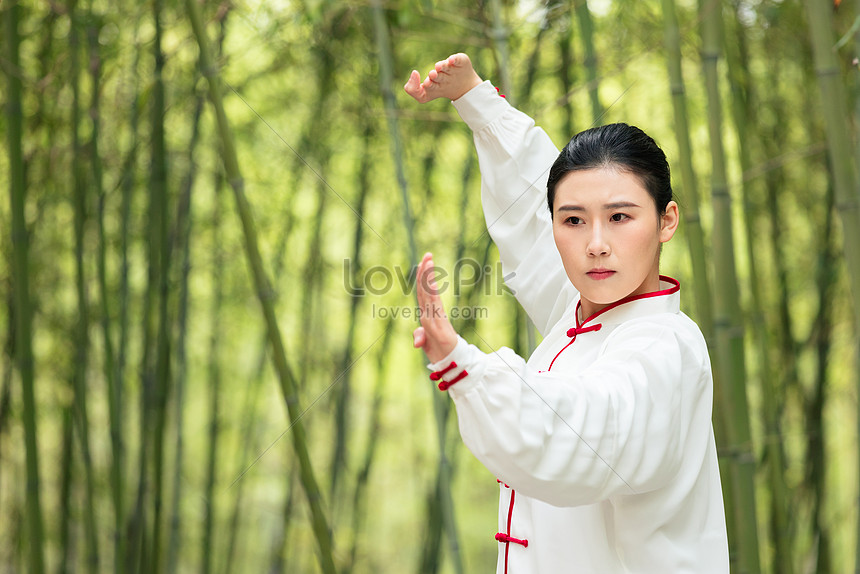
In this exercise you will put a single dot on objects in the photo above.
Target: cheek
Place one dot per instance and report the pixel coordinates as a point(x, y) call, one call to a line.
point(648, 241)
point(558, 237)
point(564, 246)
point(563, 241)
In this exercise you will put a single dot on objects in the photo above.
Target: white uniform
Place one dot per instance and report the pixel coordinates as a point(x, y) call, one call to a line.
point(602, 441)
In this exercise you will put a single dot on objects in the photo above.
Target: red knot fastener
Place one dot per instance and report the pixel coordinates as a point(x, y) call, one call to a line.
point(579, 330)
point(501, 94)
point(443, 386)
point(436, 375)
point(502, 537)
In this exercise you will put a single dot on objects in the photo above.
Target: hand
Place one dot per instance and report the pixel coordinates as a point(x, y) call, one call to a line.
point(450, 78)
point(436, 336)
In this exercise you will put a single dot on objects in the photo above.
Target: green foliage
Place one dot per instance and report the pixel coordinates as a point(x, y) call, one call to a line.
point(301, 90)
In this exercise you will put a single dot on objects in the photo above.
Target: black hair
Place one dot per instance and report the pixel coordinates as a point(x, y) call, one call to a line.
point(615, 146)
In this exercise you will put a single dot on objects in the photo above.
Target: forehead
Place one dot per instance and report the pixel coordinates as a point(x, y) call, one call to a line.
point(595, 187)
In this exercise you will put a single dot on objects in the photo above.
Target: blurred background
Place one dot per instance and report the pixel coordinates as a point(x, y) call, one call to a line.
point(207, 269)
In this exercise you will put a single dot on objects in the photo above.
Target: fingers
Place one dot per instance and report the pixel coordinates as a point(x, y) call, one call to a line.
point(442, 67)
point(447, 66)
point(413, 86)
point(432, 311)
point(422, 284)
point(414, 80)
point(459, 60)
point(436, 336)
point(424, 91)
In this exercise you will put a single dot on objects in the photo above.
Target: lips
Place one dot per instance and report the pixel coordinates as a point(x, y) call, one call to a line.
point(599, 274)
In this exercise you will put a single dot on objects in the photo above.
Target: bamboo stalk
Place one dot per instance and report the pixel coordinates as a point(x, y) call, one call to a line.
point(533, 64)
point(264, 290)
point(843, 169)
point(728, 320)
point(313, 279)
point(526, 332)
point(386, 78)
point(67, 456)
point(822, 336)
point(141, 553)
point(161, 201)
point(343, 397)
point(125, 555)
point(500, 43)
point(182, 237)
point(567, 75)
point(787, 347)
point(440, 403)
point(359, 500)
point(689, 189)
point(132, 538)
point(7, 558)
point(81, 335)
point(551, 14)
point(743, 115)
point(132, 523)
point(249, 435)
point(857, 331)
point(109, 363)
point(312, 310)
point(281, 541)
point(586, 30)
point(21, 285)
point(215, 341)
point(214, 384)
point(6, 380)
point(250, 432)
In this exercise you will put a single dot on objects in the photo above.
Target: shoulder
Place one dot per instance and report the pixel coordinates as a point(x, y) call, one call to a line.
point(664, 333)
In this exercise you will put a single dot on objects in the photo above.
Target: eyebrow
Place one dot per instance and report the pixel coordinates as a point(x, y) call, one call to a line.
point(616, 205)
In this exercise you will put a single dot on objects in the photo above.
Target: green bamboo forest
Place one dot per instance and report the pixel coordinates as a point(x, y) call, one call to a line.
point(208, 251)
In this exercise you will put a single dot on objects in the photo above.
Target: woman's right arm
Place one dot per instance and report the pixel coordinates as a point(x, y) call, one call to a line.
point(626, 424)
point(515, 157)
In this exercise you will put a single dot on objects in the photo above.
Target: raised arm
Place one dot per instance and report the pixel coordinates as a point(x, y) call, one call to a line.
point(514, 157)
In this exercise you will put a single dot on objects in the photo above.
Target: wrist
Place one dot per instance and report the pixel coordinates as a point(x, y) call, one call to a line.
point(442, 350)
point(472, 83)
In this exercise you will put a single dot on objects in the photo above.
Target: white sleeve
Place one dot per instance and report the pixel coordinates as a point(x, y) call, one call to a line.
point(515, 157)
point(616, 428)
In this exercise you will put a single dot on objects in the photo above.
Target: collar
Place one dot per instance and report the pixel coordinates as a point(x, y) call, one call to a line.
point(665, 300)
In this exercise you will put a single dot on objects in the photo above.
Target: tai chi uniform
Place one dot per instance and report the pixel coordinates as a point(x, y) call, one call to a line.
point(602, 442)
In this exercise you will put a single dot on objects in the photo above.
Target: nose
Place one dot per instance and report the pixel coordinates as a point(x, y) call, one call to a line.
point(597, 242)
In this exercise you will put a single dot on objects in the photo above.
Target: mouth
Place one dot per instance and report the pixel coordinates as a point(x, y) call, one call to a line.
point(600, 274)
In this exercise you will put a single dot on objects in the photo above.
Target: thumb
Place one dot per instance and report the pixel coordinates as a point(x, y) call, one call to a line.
point(412, 82)
point(418, 337)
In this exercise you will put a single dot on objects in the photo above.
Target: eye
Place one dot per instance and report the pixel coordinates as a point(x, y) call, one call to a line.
point(573, 220)
point(618, 217)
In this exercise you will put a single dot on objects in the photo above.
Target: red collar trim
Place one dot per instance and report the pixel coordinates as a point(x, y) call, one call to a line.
point(676, 286)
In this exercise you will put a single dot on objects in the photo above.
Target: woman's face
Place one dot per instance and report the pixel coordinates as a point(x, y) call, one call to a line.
point(608, 232)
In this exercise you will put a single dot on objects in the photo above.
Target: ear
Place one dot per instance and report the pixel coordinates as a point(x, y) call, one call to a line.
point(669, 222)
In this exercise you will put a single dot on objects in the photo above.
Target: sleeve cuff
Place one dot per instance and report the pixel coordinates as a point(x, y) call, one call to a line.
point(480, 106)
point(469, 360)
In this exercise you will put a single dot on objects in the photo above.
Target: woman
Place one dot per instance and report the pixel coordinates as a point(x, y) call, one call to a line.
point(602, 441)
